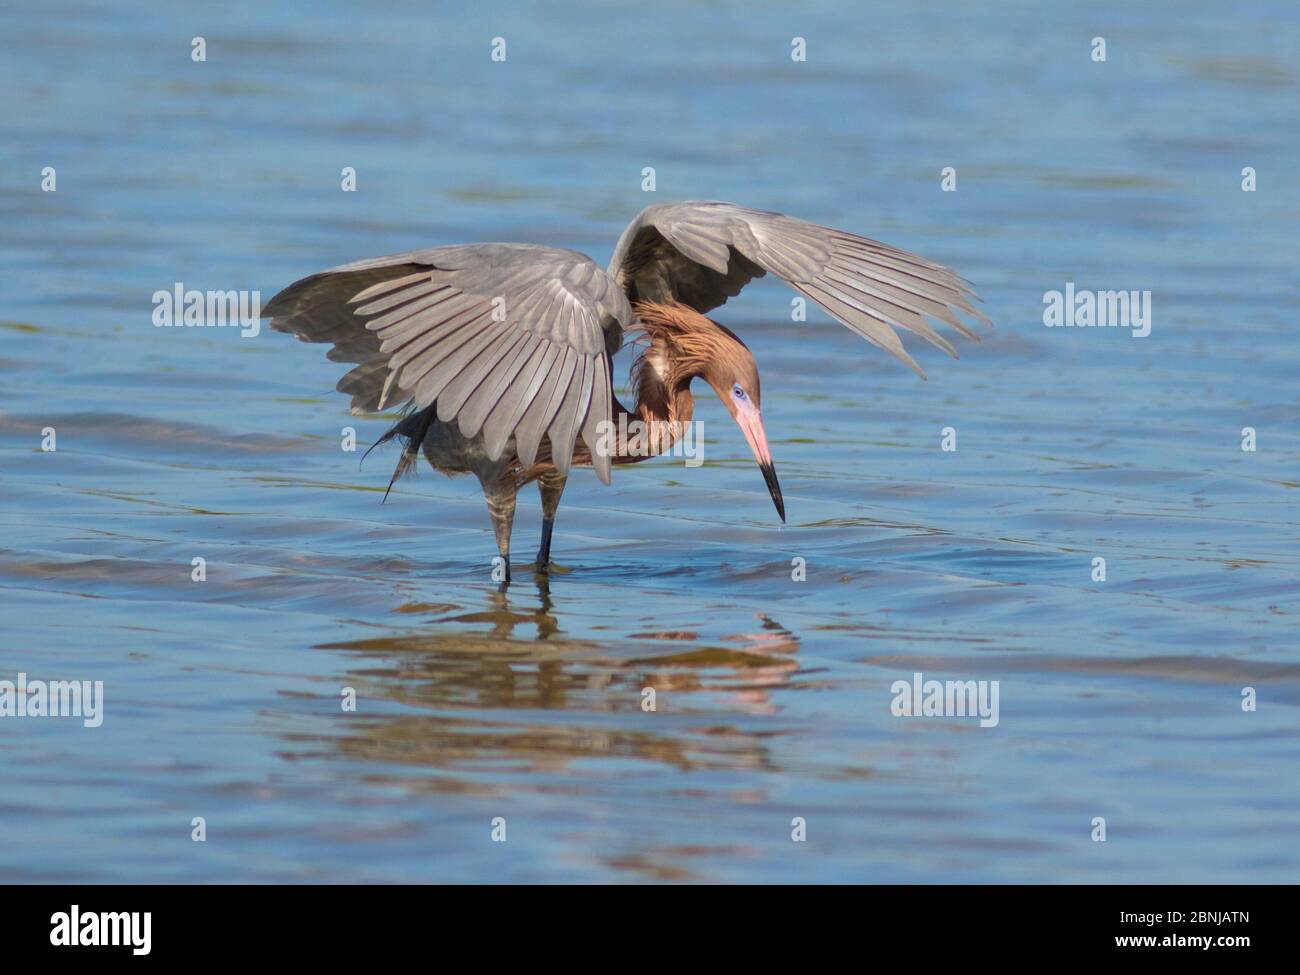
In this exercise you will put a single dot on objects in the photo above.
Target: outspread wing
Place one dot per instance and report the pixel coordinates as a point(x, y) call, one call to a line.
point(701, 253)
point(508, 339)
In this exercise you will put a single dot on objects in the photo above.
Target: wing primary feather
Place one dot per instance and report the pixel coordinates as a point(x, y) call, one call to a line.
point(476, 372)
point(599, 412)
point(878, 333)
point(382, 322)
point(563, 429)
point(905, 317)
point(479, 406)
point(529, 430)
point(435, 345)
point(520, 397)
point(372, 308)
point(385, 286)
point(927, 304)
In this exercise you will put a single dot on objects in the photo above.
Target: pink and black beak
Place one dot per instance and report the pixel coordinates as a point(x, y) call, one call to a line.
point(750, 422)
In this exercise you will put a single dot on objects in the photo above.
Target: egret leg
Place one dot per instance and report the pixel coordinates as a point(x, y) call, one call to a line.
point(551, 487)
point(501, 506)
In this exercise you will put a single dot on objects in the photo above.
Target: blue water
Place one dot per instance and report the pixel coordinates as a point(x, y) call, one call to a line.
point(1119, 699)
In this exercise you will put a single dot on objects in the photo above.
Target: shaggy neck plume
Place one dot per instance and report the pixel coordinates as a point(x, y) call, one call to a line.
point(673, 355)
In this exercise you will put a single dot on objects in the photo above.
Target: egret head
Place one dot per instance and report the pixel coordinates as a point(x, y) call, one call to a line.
point(687, 345)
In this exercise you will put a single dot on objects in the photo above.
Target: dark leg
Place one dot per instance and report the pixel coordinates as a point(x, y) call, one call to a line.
point(544, 551)
point(551, 487)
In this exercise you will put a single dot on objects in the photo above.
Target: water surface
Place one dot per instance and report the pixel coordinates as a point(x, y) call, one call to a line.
point(1119, 699)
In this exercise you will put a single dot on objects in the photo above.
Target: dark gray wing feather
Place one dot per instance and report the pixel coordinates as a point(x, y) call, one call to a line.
point(701, 253)
point(510, 340)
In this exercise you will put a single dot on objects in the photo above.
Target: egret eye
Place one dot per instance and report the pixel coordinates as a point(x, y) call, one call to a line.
point(737, 392)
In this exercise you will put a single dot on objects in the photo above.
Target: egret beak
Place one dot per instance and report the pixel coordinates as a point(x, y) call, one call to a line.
point(751, 425)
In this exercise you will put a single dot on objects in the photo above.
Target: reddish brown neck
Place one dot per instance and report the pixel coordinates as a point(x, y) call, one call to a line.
point(657, 419)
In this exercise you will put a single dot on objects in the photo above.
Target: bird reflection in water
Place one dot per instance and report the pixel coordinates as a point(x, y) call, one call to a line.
point(452, 676)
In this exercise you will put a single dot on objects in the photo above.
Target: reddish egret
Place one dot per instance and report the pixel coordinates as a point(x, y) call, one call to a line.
point(501, 352)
